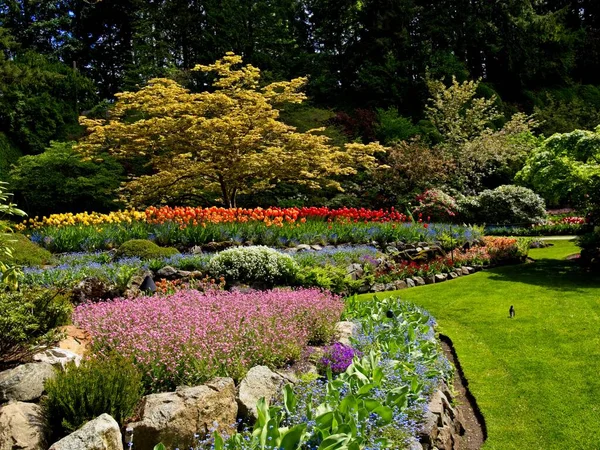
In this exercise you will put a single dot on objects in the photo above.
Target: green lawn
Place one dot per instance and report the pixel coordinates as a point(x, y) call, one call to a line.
point(536, 377)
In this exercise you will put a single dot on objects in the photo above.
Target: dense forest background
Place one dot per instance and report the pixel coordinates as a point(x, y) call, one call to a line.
point(367, 62)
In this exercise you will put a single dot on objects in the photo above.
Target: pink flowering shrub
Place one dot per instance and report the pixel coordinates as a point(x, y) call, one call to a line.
point(190, 336)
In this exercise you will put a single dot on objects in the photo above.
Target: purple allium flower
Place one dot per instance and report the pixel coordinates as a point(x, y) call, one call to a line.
point(338, 357)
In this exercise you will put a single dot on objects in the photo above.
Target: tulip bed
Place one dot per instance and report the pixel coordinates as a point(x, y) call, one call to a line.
point(274, 227)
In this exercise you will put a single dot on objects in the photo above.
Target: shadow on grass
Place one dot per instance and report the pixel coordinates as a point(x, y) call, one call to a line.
point(560, 275)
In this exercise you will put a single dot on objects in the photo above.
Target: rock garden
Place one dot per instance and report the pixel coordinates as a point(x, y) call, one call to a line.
point(251, 340)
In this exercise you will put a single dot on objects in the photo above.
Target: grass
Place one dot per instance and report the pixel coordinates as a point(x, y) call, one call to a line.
point(536, 377)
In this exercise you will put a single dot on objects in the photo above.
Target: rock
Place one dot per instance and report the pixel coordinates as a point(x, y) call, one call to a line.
point(174, 417)
point(410, 283)
point(470, 270)
point(464, 271)
point(303, 248)
point(196, 250)
point(136, 281)
point(345, 330)
point(24, 383)
point(316, 247)
point(57, 357)
point(168, 272)
point(391, 250)
point(390, 287)
point(355, 271)
point(442, 425)
point(288, 375)
point(93, 289)
point(21, 427)
point(419, 281)
point(102, 433)
point(400, 284)
point(430, 279)
point(452, 275)
point(259, 382)
point(378, 287)
point(76, 340)
point(413, 444)
point(439, 277)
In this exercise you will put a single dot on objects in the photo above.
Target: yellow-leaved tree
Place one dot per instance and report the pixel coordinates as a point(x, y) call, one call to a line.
point(228, 141)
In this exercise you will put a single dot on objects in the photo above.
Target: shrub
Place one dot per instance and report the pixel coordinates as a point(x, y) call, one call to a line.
point(189, 337)
point(59, 180)
point(111, 385)
point(504, 250)
point(435, 205)
point(330, 277)
point(24, 252)
point(510, 205)
point(144, 249)
point(27, 317)
point(255, 264)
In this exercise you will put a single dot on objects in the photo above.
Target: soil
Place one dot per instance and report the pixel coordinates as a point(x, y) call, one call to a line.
point(472, 419)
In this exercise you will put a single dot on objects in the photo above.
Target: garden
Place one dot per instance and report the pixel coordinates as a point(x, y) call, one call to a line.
point(205, 260)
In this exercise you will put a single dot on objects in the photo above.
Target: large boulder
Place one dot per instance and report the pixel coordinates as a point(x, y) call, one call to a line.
point(344, 331)
point(102, 433)
point(259, 382)
point(75, 340)
point(21, 427)
point(24, 383)
point(93, 289)
point(57, 357)
point(173, 418)
point(442, 428)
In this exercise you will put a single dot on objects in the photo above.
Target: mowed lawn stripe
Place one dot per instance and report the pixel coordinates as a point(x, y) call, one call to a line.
point(536, 377)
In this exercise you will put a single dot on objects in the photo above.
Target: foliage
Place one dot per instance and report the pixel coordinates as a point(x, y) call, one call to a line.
point(254, 265)
point(563, 168)
point(412, 167)
point(143, 249)
point(505, 205)
point(28, 317)
point(392, 127)
point(41, 96)
point(24, 252)
point(57, 180)
point(228, 141)
point(9, 154)
point(376, 402)
point(331, 277)
point(470, 139)
point(111, 385)
point(8, 271)
point(210, 334)
point(435, 205)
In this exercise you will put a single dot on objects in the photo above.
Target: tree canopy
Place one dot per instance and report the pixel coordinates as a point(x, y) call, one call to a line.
point(228, 140)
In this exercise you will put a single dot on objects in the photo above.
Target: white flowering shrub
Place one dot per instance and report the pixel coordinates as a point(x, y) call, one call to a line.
point(255, 264)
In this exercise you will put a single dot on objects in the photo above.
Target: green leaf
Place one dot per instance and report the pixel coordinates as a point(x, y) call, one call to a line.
point(293, 437)
point(160, 446)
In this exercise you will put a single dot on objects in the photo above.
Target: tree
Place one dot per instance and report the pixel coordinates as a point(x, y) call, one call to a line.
point(59, 181)
point(476, 147)
point(229, 140)
point(565, 168)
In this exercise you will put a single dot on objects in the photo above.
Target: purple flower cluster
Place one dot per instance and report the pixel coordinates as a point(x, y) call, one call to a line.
point(338, 357)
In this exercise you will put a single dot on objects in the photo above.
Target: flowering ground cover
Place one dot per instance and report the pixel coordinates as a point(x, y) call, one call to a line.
point(189, 337)
point(535, 377)
point(274, 227)
point(375, 400)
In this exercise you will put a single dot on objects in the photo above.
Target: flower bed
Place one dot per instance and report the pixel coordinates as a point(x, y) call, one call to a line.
point(189, 337)
point(274, 227)
point(378, 401)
